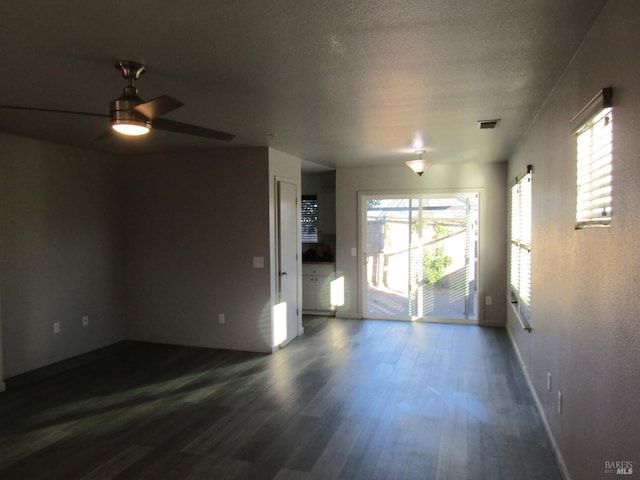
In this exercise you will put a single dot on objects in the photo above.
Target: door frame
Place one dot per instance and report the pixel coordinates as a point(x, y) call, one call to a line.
point(277, 257)
point(363, 196)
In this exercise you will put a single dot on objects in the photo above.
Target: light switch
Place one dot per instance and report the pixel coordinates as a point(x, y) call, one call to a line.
point(258, 262)
point(354, 252)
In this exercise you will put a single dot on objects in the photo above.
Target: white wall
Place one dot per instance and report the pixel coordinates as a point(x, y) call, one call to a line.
point(585, 283)
point(194, 223)
point(312, 183)
point(60, 254)
point(488, 179)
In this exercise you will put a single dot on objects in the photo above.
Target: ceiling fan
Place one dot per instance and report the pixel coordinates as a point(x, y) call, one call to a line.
point(130, 115)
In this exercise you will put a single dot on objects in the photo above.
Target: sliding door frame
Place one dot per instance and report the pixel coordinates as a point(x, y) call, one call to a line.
point(363, 196)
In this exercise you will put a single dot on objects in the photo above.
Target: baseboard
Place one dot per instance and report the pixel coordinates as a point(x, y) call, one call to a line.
point(447, 321)
point(491, 325)
point(554, 445)
point(320, 313)
point(348, 316)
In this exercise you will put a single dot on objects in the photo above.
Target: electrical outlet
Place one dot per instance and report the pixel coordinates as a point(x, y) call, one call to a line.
point(221, 318)
point(56, 327)
point(85, 320)
point(549, 381)
point(559, 402)
point(488, 300)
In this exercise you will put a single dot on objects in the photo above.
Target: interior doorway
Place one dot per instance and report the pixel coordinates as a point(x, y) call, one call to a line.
point(421, 257)
point(287, 308)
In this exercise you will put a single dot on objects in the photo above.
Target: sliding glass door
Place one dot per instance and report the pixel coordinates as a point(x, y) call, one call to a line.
point(421, 256)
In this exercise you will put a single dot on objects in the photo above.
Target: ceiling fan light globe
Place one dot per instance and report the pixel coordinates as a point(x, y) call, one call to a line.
point(132, 129)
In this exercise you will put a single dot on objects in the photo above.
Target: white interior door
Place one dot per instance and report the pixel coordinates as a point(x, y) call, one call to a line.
point(287, 263)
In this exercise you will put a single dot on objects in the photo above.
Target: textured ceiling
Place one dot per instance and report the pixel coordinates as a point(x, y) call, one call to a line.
point(338, 83)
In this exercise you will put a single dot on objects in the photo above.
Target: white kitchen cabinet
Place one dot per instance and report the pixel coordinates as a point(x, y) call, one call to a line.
point(316, 287)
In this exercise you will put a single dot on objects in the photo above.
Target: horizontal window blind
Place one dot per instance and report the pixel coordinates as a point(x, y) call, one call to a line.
point(520, 268)
point(593, 127)
point(309, 220)
point(595, 147)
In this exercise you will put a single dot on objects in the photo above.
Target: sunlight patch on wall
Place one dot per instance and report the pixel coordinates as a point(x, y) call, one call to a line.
point(337, 292)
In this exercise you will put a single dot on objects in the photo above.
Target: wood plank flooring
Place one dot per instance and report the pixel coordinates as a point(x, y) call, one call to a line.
point(348, 400)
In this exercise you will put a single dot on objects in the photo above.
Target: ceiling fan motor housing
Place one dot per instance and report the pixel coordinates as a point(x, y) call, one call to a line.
point(122, 108)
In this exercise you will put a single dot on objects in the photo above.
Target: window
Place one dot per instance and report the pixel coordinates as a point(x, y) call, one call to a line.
point(520, 270)
point(309, 210)
point(593, 127)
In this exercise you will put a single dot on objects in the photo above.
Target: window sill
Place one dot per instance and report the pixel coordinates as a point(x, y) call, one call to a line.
point(523, 321)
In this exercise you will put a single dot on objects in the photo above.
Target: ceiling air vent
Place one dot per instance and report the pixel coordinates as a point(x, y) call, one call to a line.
point(482, 124)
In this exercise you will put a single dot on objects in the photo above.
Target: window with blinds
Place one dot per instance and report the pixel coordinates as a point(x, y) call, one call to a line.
point(520, 268)
point(309, 221)
point(594, 133)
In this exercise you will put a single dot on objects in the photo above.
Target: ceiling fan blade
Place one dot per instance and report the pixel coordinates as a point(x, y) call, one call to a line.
point(156, 107)
point(178, 127)
point(107, 134)
point(52, 110)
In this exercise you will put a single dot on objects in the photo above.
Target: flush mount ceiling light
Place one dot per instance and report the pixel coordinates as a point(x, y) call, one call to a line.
point(419, 165)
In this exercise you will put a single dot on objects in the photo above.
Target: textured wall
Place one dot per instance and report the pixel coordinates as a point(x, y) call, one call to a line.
point(61, 252)
point(585, 283)
point(489, 179)
point(194, 223)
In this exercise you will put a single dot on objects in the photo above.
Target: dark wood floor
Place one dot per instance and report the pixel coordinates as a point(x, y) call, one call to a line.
point(350, 399)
